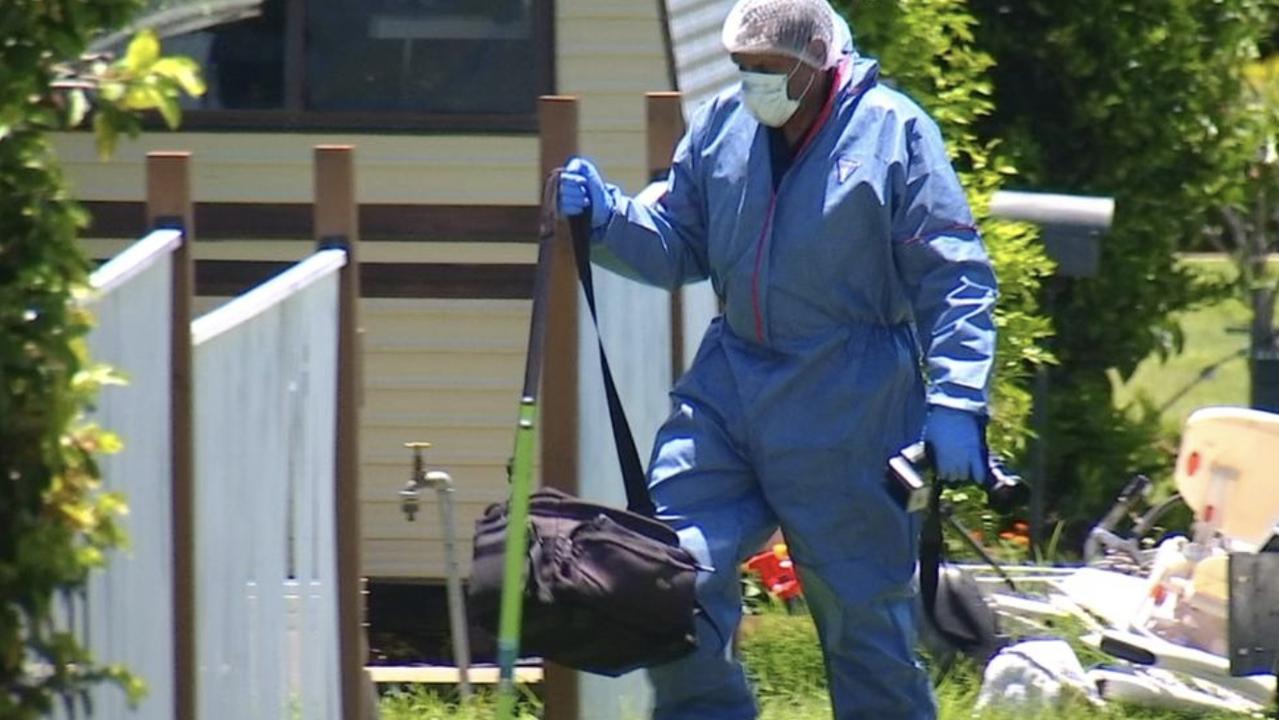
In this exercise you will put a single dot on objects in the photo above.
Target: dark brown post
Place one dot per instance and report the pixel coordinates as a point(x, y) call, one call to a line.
point(665, 127)
point(169, 206)
point(557, 118)
point(337, 226)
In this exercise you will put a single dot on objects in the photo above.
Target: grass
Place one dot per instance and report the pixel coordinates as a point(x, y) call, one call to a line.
point(783, 660)
point(785, 665)
point(430, 703)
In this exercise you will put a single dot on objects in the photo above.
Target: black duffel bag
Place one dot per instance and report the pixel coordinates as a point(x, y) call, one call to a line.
point(607, 591)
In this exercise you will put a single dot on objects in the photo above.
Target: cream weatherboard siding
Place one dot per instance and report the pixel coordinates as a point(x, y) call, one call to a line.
point(447, 372)
point(609, 53)
point(276, 167)
point(444, 371)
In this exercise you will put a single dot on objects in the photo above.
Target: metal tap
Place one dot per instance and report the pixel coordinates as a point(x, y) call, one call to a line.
point(442, 483)
point(410, 501)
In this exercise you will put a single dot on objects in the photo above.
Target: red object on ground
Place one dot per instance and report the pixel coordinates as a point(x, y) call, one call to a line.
point(776, 570)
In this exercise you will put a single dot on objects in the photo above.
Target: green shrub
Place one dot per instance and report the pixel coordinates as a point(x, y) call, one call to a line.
point(1135, 100)
point(55, 525)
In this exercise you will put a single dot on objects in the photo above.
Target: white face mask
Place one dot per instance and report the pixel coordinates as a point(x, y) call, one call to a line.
point(766, 97)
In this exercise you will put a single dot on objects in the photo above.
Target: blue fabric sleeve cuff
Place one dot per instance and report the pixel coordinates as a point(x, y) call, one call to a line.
point(939, 397)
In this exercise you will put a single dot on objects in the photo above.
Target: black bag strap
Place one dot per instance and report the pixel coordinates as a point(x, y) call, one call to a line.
point(932, 551)
point(957, 625)
point(541, 289)
point(633, 477)
point(932, 555)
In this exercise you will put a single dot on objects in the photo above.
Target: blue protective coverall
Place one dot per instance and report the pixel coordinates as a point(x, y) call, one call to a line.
point(811, 379)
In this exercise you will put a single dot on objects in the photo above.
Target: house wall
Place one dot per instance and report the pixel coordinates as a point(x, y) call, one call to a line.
point(447, 371)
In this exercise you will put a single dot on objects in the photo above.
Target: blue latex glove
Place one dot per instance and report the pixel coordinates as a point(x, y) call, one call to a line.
point(581, 189)
point(956, 442)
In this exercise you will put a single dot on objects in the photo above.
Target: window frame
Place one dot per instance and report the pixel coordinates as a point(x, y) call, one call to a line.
point(293, 117)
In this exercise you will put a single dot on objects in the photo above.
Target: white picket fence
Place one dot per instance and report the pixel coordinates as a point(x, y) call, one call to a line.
point(128, 616)
point(265, 403)
point(265, 370)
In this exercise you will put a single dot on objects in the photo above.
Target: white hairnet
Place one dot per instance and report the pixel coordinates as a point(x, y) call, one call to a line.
point(843, 37)
point(787, 27)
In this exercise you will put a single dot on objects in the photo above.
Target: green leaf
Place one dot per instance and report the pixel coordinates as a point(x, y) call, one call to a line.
point(77, 107)
point(112, 504)
point(143, 52)
point(89, 556)
point(112, 91)
point(109, 443)
point(98, 375)
point(105, 134)
point(169, 109)
point(184, 71)
point(136, 689)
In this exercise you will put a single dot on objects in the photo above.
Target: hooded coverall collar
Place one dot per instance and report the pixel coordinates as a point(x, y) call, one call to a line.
point(854, 75)
point(849, 79)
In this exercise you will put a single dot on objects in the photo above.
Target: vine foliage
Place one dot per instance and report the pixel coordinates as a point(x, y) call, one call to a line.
point(56, 525)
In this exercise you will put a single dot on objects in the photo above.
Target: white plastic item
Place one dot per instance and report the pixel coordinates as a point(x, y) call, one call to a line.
point(1035, 674)
point(1198, 664)
point(1170, 564)
point(1204, 614)
point(1115, 598)
point(1228, 472)
point(1162, 689)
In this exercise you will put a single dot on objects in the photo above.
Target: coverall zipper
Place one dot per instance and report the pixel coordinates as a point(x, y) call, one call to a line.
point(818, 124)
point(759, 259)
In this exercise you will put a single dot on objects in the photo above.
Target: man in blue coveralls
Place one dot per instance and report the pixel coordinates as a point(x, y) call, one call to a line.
point(858, 304)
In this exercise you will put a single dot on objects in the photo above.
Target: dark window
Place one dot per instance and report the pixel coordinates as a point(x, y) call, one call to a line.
point(364, 64)
point(244, 61)
point(450, 56)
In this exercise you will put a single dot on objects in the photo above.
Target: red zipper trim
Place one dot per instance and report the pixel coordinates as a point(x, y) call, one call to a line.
point(817, 125)
point(825, 114)
point(759, 261)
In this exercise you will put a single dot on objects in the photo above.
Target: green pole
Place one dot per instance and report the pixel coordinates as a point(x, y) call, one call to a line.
point(508, 633)
point(516, 549)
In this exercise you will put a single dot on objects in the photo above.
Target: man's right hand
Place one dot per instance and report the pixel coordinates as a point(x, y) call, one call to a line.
point(582, 189)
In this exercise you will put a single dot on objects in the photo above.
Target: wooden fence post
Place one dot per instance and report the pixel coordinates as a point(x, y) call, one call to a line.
point(557, 120)
point(665, 126)
point(168, 180)
point(337, 226)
